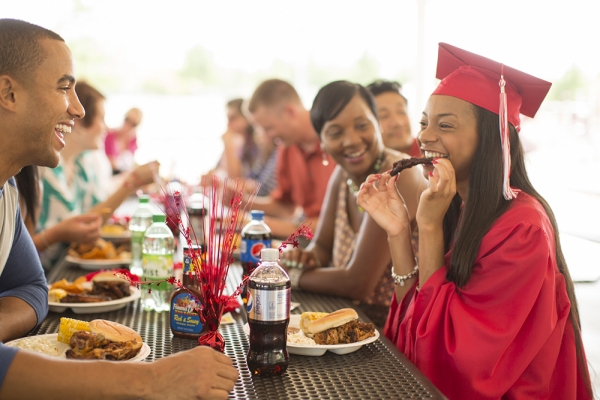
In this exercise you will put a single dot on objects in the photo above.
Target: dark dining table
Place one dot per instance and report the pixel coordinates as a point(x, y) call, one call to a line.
point(375, 371)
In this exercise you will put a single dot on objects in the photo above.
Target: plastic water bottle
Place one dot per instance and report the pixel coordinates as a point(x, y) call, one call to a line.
point(157, 265)
point(255, 237)
point(140, 221)
point(269, 294)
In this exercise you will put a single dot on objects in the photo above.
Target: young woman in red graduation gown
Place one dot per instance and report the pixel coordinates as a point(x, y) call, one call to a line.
point(490, 311)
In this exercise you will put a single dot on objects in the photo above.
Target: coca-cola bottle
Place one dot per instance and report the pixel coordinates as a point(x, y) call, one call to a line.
point(269, 294)
point(256, 235)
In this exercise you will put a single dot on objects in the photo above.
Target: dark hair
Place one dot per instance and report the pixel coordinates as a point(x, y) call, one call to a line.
point(273, 92)
point(89, 98)
point(486, 204)
point(20, 50)
point(381, 86)
point(250, 152)
point(29, 189)
point(333, 97)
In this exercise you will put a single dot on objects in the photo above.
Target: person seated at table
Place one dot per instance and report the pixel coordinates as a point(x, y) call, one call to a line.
point(78, 229)
point(489, 311)
point(37, 107)
point(393, 117)
point(120, 144)
point(348, 255)
point(72, 188)
point(303, 169)
point(247, 153)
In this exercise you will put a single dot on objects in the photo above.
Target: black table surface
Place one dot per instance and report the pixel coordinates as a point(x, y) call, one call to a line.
point(375, 371)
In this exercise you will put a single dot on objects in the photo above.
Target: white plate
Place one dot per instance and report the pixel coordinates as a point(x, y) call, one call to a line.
point(62, 348)
point(94, 308)
point(94, 265)
point(320, 349)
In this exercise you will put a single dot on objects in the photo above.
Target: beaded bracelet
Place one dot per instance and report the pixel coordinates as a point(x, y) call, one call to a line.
point(295, 274)
point(399, 279)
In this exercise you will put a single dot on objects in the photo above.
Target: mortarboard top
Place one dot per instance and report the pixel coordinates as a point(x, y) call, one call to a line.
point(475, 79)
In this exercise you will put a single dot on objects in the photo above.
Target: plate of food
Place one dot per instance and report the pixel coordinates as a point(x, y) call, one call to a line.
point(105, 292)
point(96, 340)
point(100, 255)
point(339, 332)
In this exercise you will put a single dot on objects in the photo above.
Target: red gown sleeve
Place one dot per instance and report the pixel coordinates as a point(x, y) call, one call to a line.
point(506, 334)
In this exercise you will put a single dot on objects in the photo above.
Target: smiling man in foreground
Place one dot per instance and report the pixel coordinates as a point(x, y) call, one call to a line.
point(38, 106)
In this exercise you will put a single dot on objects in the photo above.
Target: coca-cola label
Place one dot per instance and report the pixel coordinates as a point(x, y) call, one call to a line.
point(269, 305)
point(250, 250)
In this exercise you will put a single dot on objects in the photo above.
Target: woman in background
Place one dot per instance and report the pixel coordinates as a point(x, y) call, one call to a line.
point(348, 255)
point(73, 187)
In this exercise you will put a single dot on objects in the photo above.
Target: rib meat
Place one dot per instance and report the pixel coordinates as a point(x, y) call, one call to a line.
point(405, 163)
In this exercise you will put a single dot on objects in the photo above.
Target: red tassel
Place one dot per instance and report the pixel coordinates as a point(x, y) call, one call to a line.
point(507, 191)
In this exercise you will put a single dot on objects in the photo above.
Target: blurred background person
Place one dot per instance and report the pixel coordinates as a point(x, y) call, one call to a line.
point(303, 169)
point(393, 117)
point(73, 187)
point(247, 153)
point(349, 255)
point(120, 144)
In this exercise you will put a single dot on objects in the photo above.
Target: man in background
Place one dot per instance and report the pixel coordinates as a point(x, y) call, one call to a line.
point(303, 169)
point(393, 117)
point(38, 106)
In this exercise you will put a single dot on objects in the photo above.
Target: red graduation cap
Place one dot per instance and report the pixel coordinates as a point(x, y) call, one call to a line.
point(493, 86)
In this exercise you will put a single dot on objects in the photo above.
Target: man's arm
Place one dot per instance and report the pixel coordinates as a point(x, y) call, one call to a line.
point(23, 287)
point(17, 318)
point(274, 208)
point(207, 374)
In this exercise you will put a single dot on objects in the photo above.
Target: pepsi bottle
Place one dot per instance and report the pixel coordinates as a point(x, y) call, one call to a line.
point(255, 236)
point(269, 294)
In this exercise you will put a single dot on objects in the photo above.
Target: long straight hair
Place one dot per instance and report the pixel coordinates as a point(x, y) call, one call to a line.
point(29, 189)
point(486, 204)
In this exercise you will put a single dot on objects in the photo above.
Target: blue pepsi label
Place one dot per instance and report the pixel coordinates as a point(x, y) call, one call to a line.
point(250, 250)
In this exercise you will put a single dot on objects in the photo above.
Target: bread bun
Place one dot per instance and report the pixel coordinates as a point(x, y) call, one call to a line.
point(333, 320)
point(113, 331)
point(108, 276)
point(307, 318)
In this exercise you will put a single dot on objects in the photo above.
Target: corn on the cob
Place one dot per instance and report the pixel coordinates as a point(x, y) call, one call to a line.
point(68, 326)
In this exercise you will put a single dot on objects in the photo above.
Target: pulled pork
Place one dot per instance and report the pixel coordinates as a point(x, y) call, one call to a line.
point(351, 332)
point(92, 346)
point(101, 291)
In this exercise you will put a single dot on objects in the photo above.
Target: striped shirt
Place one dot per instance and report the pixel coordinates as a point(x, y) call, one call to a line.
point(61, 200)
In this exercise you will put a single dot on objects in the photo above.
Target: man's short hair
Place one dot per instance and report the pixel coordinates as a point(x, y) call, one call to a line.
point(273, 92)
point(381, 86)
point(20, 50)
point(89, 98)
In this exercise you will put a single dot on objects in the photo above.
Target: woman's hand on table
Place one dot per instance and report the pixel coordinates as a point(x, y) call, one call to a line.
point(299, 258)
point(379, 197)
point(199, 373)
